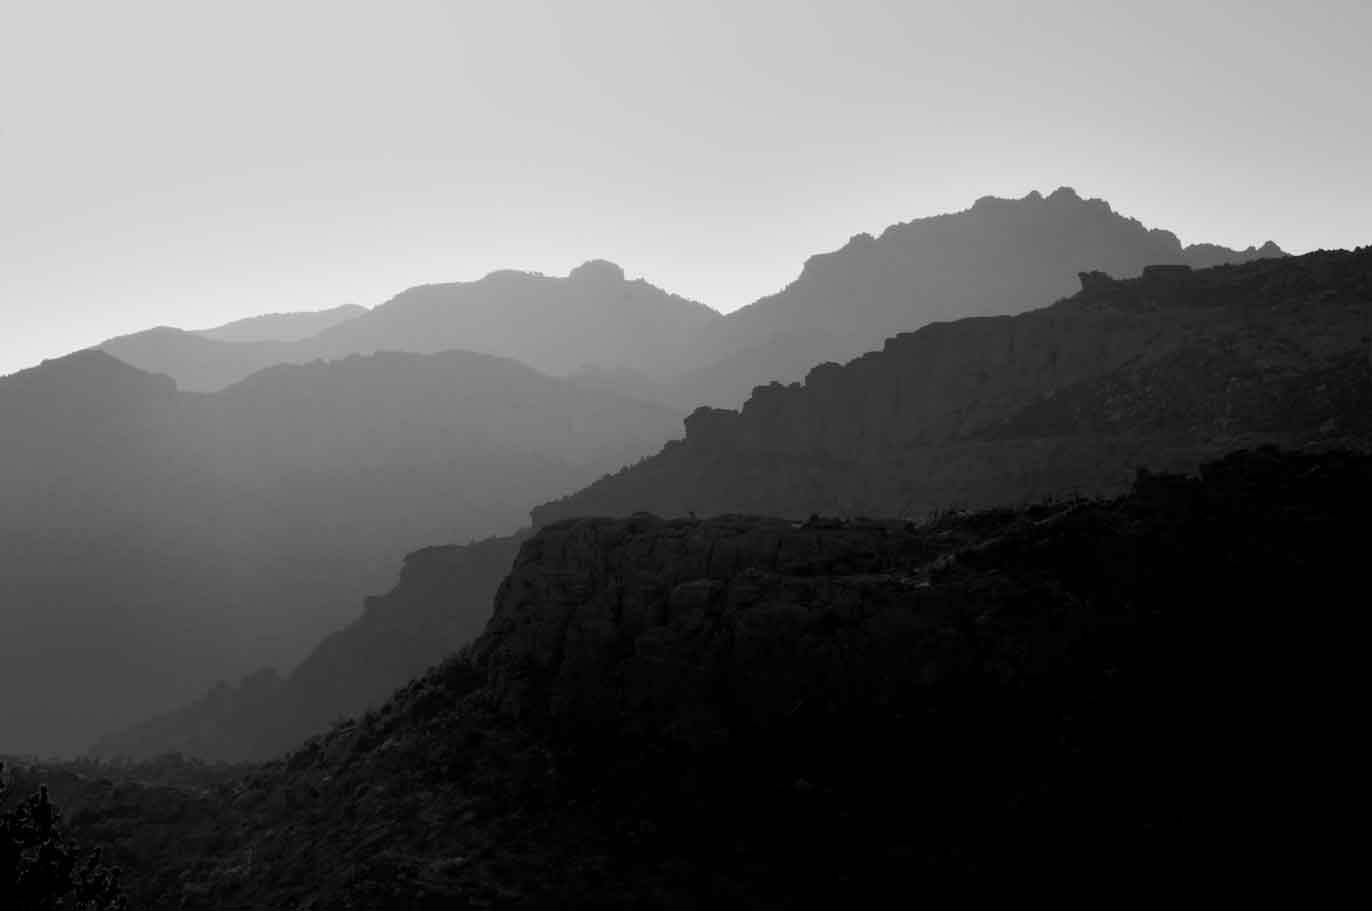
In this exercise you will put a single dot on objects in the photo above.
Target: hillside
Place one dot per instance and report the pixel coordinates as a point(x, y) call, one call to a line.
point(154, 541)
point(593, 316)
point(1165, 370)
point(744, 712)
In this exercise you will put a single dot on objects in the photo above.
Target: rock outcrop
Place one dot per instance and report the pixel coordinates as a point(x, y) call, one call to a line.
point(1164, 370)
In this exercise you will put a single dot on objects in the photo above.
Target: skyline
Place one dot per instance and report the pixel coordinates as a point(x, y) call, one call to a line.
point(709, 149)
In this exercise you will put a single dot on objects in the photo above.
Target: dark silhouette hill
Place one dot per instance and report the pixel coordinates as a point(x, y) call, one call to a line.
point(594, 316)
point(750, 712)
point(1001, 256)
point(1165, 370)
point(282, 327)
point(153, 541)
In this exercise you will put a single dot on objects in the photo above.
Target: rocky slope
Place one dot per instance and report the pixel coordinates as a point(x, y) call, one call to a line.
point(1164, 370)
point(740, 712)
point(153, 541)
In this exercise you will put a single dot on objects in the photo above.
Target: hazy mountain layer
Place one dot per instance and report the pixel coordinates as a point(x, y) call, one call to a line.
point(998, 257)
point(594, 316)
point(1001, 256)
point(745, 712)
point(282, 327)
point(1164, 370)
point(153, 540)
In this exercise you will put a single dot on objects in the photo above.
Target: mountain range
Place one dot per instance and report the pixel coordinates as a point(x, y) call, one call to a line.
point(1162, 371)
point(154, 540)
point(594, 316)
point(998, 257)
point(234, 528)
point(1015, 513)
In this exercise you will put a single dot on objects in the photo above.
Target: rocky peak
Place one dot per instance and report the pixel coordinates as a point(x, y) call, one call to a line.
point(598, 271)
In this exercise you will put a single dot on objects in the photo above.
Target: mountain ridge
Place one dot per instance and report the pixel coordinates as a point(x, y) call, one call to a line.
point(160, 539)
point(898, 425)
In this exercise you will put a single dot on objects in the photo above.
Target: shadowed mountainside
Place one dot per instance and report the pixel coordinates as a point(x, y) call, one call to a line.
point(1164, 370)
point(154, 540)
point(742, 712)
point(594, 316)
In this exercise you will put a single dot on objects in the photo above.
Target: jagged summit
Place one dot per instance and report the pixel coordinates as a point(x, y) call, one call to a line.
point(1000, 256)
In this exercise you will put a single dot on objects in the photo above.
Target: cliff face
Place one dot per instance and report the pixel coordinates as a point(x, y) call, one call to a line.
point(743, 712)
point(441, 602)
point(1164, 370)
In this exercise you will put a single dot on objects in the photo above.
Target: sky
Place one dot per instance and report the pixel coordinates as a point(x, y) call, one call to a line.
point(186, 163)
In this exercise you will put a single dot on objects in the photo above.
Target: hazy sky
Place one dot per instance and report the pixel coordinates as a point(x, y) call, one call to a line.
point(186, 163)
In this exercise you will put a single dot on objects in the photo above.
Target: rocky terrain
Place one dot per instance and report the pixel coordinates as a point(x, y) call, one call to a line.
point(1164, 370)
point(752, 712)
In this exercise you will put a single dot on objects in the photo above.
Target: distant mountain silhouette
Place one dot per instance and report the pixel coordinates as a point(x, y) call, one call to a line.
point(594, 316)
point(154, 540)
point(282, 327)
point(1001, 256)
point(998, 257)
point(1163, 370)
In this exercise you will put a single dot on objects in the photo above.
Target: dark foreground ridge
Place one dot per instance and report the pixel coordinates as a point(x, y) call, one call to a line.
point(753, 712)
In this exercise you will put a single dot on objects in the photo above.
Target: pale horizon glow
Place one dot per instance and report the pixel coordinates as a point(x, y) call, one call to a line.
point(187, 164)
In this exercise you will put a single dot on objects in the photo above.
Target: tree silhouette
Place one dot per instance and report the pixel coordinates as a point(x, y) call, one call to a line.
point(42, 869)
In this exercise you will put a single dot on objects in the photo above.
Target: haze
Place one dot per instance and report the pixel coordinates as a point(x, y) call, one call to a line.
point(189, 164)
